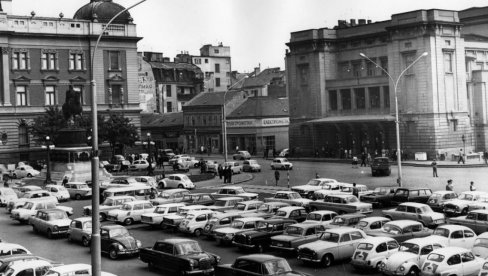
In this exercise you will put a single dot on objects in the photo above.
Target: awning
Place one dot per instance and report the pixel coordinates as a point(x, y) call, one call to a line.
point(354, 118)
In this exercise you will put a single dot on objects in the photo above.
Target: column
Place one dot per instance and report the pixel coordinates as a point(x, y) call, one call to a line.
point(367, 105)
point(382, 97)
point(6, 76)
point(353, 99)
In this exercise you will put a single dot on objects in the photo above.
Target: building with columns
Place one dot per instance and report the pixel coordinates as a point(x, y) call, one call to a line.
point(340, 101)
point(43, 56)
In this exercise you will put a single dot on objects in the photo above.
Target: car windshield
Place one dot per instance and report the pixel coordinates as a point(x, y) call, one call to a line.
point(390, 228)
point(294, 230)
point(126, 207)
point(160, 210)
point(237, 224)
point(352, 199)
point(262, 225)
point(220, 203)
point(56, 215)
point(315, 217)
point(118, 232)
point(294, 196)
point(465, 196)
point(240, 206)
point(481, 242)
point(436, 196)
point(108, 202)
point(363, 224)
point(281, 214)
point(313, 182)
point(164, 195)
point(380, 191)
point(441, 232)
point(184, 177)
point(409, 247)
point(338, 221)
point(28, 205)
point(275, 267)
point(436, 257)
point(188, 248)
point(365, 246)
point(330, 237)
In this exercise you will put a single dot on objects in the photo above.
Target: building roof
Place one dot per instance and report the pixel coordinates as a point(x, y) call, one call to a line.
point(213, 98)
point(161, 120)
point(175, 65)
point(103, 11)
point(264, 78)
point(262, 107)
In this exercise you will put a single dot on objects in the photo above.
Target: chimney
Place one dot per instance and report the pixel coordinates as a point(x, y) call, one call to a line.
point(148, 56)
point(257, 70)
point(353, 22)
point(369, 21)
point(342, 24)
point(166, 59)
point(361, 21)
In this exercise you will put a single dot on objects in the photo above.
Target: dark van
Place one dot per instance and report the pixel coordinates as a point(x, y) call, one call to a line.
point(420, 195)
point(381, 165)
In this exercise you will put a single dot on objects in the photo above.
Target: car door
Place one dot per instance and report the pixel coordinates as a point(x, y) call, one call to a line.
point(75, 230)
point(166, 252)
point(137, 211)
point(104, 240)
point(469, 239)
point(481, 223)
point(425, 251)
point(457, 238)
point(148, 208)
point(411, 213)
point(346, 247)
point(470, 266)
point(392, 247)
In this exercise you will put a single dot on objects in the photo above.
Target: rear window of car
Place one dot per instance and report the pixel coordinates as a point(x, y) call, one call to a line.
point(436, 257)
point(365, 246)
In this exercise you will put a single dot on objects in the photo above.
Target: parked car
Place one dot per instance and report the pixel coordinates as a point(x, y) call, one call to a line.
point(234, 191)
point(194, 222)
point(166, 154)
point(6, 195)
point(379, 197)
point(28, 267)
point(321, 194)
point(78, 190)
point(7, 261)
point(420, 195)
point(281, 164)
point(409, 258)
point(246, 207)
point(31, 195)
point(477, 220)
point(198, 199)
point(170, 196)
point(52, 222)
point(322, 217)
point(416, 211)
point(80, 231)
point(25, 171)
point(454, 235)
point(217, 221)
point(346, 220)
point(30, 208)
point(235, 167)
point(292, 198)
point(341, 204)
point(179, 256)
point(148, 180)
point(8, 249)
point(60, 192)
point(452, 261)
point(284, 153)
point(266, 210)
point(110, 203)
point(371, 223)
point(257, 264)
point(480, 246)
point(251, 166)
point(241, 155)
point(21, 190)
point(130, 212)
point(156, 218)
point(333, 245)
point(307, 190)
point(225, 235)
point(74, 269)
point(372, 251)
point(348, 188)
point(439, 198)
point(181, 181)
point(141, 164)
point(123, 181)
point(211, 166)
point(225, 203)
point(381, 165)
point(260, 239)
point(401, 230)
point(116, 241)
point(173, 220)
point(461, 205)
point(177, 158)
point(484, 270)
point(296, 235)
point(291, 212)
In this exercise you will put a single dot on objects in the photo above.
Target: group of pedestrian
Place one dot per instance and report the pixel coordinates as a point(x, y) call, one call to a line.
point(450, 186)
point(225, 172)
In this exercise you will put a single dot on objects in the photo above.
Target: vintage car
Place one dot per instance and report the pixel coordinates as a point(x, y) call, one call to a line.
point(409, 258)
point(296, 235)
point(52, 222)
point(28, 195)
point(140, 165)
point(198, 199)
point(341, 204)
point(217, 221)
point(292, 198)
point(235, 167)
point(28, 267)
point(181, 181)
point(452, 261)
point(480, 246)
point(484, 270)
point(225, 235)
point(156, 218)
point(416, 211)
point(333, 245)
point(6, 195)
point(225, 203)
point(370, 252)
point(74, 269)
point(30, 208)
point(348, 188)
point(260, 239)
point(251, 166)
point(371, 223)
point(172, 221)
point(110, 203)
point(307, 190)
point(116, 241)
point(439, 198)
point(78, 190)
point(178, 256)
point(281, 164)
point(267, 209)
point(454, 235)
point(246, 207)
point(60, 192)
point(122, 181)
point(80, 231)
point(170, 196)
point(7, 261)
point(130, 212)
point(322, 217)
point(379, 197)
point(7, 249)
point(461, 205)
point(194, 222)
point(420, 195)
point(257, 264)
point(21, 190)
point(241, 155)
point(291, 212)
point(148, 180)
point(234, 191)
point(381, 165)
point(349, 220)
point(321, 194)
point(401, 230)
point(477, 220)
point(211, 166)
point(25, 171)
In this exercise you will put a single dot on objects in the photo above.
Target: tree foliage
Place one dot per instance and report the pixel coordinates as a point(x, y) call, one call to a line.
point(48, 124)
point(118, 130)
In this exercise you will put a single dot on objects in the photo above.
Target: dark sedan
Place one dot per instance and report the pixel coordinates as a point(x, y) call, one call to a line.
point(257, 264)
point(260, 239)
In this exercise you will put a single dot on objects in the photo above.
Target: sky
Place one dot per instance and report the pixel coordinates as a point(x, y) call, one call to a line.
point(256, 30)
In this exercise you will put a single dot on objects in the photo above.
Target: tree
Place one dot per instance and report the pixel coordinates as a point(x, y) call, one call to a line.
point(48, 124)
point(118, 130)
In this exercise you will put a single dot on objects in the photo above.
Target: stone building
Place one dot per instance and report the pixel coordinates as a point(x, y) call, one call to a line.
point(215, 62)
point(340, 101)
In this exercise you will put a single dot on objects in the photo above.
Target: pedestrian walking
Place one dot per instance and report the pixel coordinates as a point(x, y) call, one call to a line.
point(461, 156)
point(363, 159)
point(317, 175)
point(449, 186)
point(472, 187)
point(277, 176)
point(434, 168)
point(229, 171)
point(220, 171)
point(355, 191)
point(65, 180)
point(150, 170)
point(354, 162)
point(485, 156)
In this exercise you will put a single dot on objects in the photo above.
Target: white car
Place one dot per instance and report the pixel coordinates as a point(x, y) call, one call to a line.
point(234, 166)
point(30, 208)
point(234, 191)
point(370, 252)
point(307, 190)
point(140, 165)
point(28, 267)
point(454, 235)
point(21, 190)
point(281, 164)
point(323, 217)
point(251, 166)
point(25, 171)
point(73, 269)
point(480, 247)
point(7, 249)
point(6, 195)
point(452, 261)
point(175, 158)
point(38, 194)
point(161, 211)
point(225, 235)
point(241, 155)
point(484, 269)
point(372, 223)
point(130, 212)
point(58, 191)
point(194, 222)
point(181, 181)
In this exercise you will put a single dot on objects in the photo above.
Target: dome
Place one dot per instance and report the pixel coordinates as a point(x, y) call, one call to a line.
point(102, 11)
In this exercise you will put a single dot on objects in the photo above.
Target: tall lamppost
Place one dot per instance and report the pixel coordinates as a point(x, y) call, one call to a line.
point(96, 255)
point(149, 143)
point(48, 146)
point(397, 121)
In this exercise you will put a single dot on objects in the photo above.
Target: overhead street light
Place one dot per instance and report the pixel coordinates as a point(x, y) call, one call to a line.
point(48, 146)
point(397, 121)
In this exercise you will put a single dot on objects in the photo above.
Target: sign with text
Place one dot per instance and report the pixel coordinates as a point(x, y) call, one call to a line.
point(268, 122)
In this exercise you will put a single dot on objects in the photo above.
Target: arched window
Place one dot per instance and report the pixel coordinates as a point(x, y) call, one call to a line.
point(23, 135)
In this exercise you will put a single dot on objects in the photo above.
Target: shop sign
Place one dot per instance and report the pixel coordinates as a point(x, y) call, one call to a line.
point(241, 123)
point(276, 122)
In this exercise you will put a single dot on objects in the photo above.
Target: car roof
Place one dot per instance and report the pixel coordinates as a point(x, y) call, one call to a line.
point(200, 212)
point(229, 198)
point(403, 222)
point(111, 226)
point(447, 251)
point(304, 225)
point(325, 179)
point(443, 192)
point(137, 201)
point(246, 219)
point(342, 230)
point(225, 215)
point(377, 240)
point(7, 246)
point(286, 192)
point(259, 258)
point(120, 197)
point(70, 267)
point(176, 240)
point(30, 187)
point(414, 204)
point(412, 189)
point(323, 212)
point(190, 207)
point(371, 219)
point(53, 210)
point(83, 219)
point(453, 227)
point(276, 203)
point(277, 220)
point(231, 188)
point(480, 211)
point(250, 202)
point(290, 208)
point(173, 204)
point(352, 215)
point(420, 241)
point(483, 235)
point(340, 195)
point(76, 182)
point(178, 174)
point(174, 191)
point(30, 263)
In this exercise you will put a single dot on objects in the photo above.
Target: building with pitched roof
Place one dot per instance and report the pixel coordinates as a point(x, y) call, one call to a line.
point(269, 82)
point(215, 62)
point(166, 130)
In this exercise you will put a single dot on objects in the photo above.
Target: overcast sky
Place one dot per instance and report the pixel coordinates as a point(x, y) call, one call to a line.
point(256, 30)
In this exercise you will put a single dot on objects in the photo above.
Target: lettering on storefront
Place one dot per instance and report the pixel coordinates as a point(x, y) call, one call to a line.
point(271, 122)
point(241, 123)
point(276, 122)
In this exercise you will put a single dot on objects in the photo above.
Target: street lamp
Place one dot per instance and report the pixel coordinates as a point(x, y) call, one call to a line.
point(48, 146)
point(397, 121)
point(149, 143)
point(96, 255)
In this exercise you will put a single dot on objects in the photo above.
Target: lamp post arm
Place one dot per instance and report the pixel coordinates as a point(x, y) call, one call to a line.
point(408, 67)
point(377, 65)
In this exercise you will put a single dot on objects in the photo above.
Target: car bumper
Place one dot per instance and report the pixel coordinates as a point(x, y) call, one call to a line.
point(288, 249)
point(241, 245)
point(393, 273)
point(128, 252)
point(308, 259)
point(361, 264)
point(199, 271)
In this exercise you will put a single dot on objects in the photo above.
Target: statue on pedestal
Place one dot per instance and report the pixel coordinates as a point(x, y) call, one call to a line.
point(72, 107)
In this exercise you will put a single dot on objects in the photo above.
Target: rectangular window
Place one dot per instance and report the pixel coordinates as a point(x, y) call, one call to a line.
point(346, 99)
point(116, 94)
point(21, 95)
point(374, 97)
point(386, 96)
point(453, 126)
point(357, 69)
point(168, 91)
point(408, 58)
point(169, 107)
point(50, 95)
point(370, 68)
point(76, 61)
point(360, 98)
point(20, 60)
point(114, 58)
point(217, 82)
point(384, 65)
point(333, 99)
point(79, 88)
point(48, 61)
point(447, 62)
point(216, 51)
point(217, 68)
point(206, 60)
point(198, 61)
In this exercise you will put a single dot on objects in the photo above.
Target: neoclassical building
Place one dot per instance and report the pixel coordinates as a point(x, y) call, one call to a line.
point(341, 101)
point(43, 56)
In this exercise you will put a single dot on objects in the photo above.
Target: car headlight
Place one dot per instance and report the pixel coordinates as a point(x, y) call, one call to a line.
point(401, 268)
point(55, 228)
point(120, 247)
point(193, 262)
point(217, 259)
point(138, 243)
point(382, 265)
point(229, 235)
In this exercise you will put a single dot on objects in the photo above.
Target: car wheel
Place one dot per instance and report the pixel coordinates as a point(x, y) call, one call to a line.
point(180, 186)
point(197, 232)
point(113, 254)
point(29, 175)
point(103, 217)
point(77, 196)
point(413, 272)
point(162, 226)
point(128, 221)
point(327, 260)
point(260, 248)
point(161, 185)
point(85, 242)
point(14, 175)
point(49, 234)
